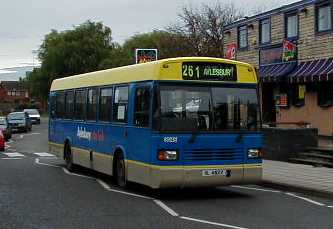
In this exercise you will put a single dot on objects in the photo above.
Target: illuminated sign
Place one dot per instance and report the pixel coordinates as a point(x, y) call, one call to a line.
point(231, 51)
point(289, 51)
point(145, 55)
point(209, 71)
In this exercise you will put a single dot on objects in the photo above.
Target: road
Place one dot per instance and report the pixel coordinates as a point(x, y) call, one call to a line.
point(36, 191)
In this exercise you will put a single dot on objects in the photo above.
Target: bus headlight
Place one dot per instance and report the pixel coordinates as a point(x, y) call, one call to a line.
point(254, 153)
point(167, 155)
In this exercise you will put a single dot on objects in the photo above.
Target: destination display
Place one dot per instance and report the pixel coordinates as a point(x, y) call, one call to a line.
point(209, 71)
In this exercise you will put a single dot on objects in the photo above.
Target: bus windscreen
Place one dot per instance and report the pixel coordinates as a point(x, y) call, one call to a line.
point(195, 108)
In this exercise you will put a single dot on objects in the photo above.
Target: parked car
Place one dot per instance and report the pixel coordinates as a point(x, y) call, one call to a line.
point(19, 121)
point(2, 141)
point(34, 115)
point(6, 129)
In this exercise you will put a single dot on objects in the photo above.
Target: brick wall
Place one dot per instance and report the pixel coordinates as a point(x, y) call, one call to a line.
point(319, 117)
point(311, 45)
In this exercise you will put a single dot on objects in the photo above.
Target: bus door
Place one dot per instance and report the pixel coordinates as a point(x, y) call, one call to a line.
point(139, 132)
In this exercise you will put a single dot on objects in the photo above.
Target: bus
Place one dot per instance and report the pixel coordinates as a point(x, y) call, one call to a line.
point(179, 122)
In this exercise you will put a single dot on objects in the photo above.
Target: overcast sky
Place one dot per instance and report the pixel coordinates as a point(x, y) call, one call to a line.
point(23, 23)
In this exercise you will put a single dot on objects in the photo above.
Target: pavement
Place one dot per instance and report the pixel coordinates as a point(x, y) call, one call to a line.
point(302, 178)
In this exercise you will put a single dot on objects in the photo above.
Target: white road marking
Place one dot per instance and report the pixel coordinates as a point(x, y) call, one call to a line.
point(44, 154)
point(14, 154)
point(21, 136)
point(108, 188)
point(30, 134)
point(330, 206)
point(50, 165)
point(104, 185)
point(306, 199)
point(75, 174)
point(11, 158)
point(212, 223)
point(166, 208)
point(256, 189)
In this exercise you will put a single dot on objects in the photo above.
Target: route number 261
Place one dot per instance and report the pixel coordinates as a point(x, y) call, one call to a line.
point(191, 71)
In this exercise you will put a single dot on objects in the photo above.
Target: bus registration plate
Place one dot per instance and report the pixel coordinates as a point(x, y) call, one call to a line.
point(216, 172)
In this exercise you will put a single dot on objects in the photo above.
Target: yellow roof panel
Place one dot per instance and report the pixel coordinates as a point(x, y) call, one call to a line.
point(167, 69)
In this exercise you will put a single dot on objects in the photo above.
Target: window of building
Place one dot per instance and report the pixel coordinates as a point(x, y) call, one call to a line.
point(69, 104)
point(92, 104)
point(298, 95)
point(292, 25)
point(324, 17)
point(80, 104)
point(105, 104)
point(325, 95)
point(142, 107)
point(60, 105)
point(242, 37)
point(120, 104)
point(265, 31)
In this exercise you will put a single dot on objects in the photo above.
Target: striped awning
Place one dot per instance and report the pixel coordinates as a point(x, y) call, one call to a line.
point(276, 72)
point(313, 71)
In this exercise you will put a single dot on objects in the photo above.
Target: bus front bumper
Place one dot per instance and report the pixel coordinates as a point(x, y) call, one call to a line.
point(205, 176)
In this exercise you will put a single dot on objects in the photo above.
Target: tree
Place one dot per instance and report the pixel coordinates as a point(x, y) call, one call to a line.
point(168, 44)
point(70, 52)
point(203, 28)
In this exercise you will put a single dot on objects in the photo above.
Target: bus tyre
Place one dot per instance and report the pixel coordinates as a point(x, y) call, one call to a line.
point(120, 172)
point(69, 158)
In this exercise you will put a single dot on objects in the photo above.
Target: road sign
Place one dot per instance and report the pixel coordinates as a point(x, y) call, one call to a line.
point(145, 55)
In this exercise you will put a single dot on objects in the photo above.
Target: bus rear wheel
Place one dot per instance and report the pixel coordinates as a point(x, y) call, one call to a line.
point(69, 158)
point(120, 175)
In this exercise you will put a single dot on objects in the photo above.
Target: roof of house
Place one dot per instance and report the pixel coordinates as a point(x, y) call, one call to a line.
point(12, 85)
point(283, 9)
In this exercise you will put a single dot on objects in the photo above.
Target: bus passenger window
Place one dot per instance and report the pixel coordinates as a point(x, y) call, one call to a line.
point(120, 104)
point(92, 105)
point(69, 104)
point(105, 104)
point(80, 104)
point(142, 105)
point(60, 105)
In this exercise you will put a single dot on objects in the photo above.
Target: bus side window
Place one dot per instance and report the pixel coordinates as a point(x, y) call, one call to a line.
point(142, 106)
point(80, 104)
point(69, 104)
point(60, 105)
point(105, 104)
point(120, 104)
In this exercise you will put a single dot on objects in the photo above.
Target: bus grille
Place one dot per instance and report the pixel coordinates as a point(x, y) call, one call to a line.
point(213, 154)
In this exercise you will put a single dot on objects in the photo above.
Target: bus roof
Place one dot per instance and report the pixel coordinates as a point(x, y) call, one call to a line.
point(166, 69)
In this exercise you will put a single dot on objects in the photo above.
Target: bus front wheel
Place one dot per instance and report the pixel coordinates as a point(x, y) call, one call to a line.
point(120, 171)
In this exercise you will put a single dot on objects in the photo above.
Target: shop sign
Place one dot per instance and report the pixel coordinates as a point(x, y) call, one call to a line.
point(145, 55)
point(289, 51)
point(231, 51)
point(271, 56)
point(281, 100)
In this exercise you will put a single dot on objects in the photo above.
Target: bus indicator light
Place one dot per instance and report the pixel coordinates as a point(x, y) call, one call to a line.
point(167, 155)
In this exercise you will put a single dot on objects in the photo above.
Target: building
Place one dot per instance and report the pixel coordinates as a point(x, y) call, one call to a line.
point(292, 48)
point(13, 92)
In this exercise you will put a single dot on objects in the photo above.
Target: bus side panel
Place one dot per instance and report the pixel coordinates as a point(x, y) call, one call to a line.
point(139, 154)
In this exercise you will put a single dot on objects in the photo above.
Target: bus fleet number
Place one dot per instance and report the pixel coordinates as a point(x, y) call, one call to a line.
point(170, 139)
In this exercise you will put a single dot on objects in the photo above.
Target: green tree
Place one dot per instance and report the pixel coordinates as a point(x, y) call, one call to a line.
point(70, 52)
point(167, 43)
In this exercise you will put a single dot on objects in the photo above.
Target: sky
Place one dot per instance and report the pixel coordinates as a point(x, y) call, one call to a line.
point(23, 24)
